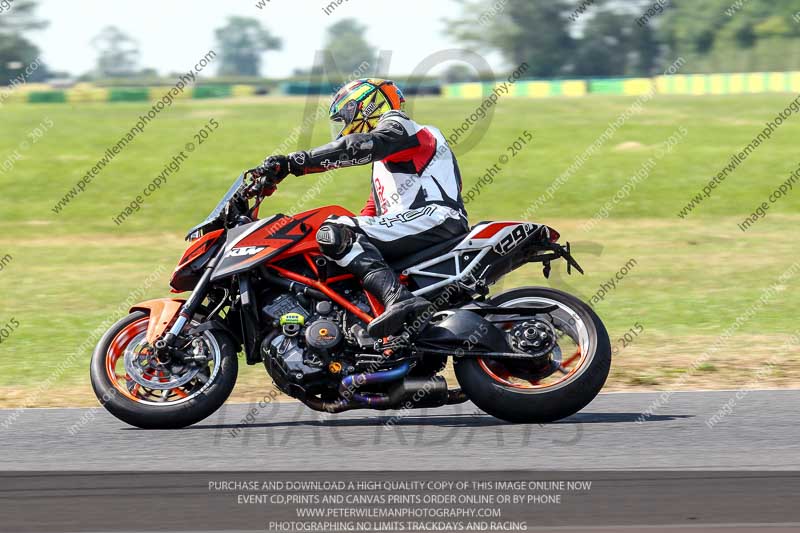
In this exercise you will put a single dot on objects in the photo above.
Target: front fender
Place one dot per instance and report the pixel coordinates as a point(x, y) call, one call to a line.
point(162, 313)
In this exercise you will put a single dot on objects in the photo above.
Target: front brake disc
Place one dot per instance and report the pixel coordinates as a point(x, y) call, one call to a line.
point(144, 368)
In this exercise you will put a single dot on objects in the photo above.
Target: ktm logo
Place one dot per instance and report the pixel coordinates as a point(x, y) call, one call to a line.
point(243, 252)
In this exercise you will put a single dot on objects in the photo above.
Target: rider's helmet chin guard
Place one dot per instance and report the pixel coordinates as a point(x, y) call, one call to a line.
point(358, 106)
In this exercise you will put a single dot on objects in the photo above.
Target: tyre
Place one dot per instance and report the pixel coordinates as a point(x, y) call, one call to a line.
point(561, 382)
point(144, 392)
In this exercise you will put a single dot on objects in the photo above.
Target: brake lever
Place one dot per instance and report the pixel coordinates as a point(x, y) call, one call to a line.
point(251, 176)
point(261, 178)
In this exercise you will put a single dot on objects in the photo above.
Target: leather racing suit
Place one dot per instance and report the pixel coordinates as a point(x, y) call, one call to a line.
point(415, 200)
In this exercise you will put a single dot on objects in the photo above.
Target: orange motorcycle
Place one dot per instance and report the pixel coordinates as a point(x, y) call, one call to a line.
point(260, 285)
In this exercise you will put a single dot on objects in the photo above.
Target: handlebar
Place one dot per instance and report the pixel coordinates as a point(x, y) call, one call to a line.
point(254, 183)
point(261, 179)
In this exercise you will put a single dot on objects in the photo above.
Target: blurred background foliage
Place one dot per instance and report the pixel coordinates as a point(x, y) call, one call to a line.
point(557, 38)
point(634, 37)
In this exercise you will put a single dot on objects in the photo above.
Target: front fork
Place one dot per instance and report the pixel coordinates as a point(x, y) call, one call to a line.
point(189, 307)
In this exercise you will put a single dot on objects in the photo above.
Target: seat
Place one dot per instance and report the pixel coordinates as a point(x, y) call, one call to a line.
point(423, 255)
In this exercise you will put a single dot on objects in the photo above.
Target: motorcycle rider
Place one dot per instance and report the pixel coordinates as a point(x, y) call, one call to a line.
point(415, 200)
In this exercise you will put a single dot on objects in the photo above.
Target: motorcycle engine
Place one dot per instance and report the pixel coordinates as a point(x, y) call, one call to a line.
point(323, 335)
point(297, 357)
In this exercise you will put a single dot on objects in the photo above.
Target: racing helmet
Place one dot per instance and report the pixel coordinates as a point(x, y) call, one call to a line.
point(358, 106)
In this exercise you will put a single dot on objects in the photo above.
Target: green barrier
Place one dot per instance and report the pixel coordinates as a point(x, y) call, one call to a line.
point(129, 95)
point(212, 91)
point(303, 89)
point(452, 91)
point(47, 97)
point(607, 86)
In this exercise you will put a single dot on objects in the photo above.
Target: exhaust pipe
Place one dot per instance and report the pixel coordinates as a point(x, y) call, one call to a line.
point(409, 392)
point(354, 400)
point(339, 406)
point(417, 392)
point(354, 381)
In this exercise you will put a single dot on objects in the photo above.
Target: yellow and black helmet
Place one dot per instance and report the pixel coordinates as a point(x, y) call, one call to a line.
point(358, 106)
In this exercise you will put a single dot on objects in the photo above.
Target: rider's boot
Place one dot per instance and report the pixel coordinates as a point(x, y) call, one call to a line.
point(354, 251)
point(400, 306)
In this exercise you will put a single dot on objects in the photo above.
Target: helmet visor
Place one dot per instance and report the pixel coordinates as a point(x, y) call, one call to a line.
point(337, 128)
point(343, 118)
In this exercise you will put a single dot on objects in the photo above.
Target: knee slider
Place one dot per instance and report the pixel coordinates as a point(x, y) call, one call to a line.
point(334, 240)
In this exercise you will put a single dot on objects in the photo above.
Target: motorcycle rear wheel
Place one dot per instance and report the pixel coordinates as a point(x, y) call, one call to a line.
point(171, 401)
point(504, 390)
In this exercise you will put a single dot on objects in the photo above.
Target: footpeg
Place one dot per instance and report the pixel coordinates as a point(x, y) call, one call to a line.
point(393, 343)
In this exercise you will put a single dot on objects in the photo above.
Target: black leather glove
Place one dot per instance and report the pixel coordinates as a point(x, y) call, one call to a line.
point(266, 186)
point(276, 167)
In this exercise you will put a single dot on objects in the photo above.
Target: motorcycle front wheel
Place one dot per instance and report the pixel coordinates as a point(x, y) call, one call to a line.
point(570, 376)
point(139, 389)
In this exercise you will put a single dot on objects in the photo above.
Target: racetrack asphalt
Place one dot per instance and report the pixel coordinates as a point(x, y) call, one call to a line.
point(754, 430)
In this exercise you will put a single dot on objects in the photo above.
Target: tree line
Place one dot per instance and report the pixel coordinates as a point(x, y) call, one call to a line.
point(241, 43)
point(608, 38)
point(556, 38)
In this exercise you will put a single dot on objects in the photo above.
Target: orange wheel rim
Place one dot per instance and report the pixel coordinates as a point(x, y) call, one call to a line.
point(499, 373)
point(116, 350)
